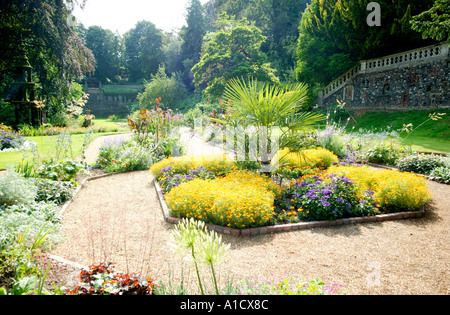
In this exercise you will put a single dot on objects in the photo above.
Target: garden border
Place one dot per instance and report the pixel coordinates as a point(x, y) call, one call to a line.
point(288, 227)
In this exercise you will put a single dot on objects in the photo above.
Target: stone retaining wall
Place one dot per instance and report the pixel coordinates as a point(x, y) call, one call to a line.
point(416, 79)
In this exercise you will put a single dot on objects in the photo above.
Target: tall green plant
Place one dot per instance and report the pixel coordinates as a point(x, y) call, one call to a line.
point(270, 107)
point(191, 237)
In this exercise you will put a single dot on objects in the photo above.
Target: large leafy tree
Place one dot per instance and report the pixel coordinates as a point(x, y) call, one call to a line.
point(334, 35)
point(234, 50)
point(435, 22)
point(56, 52)
point(106, 47)
point(192, 35)
point(277, 19)
point(143, 50)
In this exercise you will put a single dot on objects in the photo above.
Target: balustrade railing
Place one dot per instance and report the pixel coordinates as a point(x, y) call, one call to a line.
point(407, 58)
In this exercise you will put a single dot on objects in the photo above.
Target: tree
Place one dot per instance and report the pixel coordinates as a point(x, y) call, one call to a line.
point(268, 106)
point(143, 50)
point(435, 22)
point(232, 51)
point(169, 91)
point(192, 35)
point(278, 20)
point(56, 52)
point(106, 48)
point(334, 35)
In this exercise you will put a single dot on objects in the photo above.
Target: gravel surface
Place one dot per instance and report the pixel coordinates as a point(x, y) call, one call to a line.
point(119, 219)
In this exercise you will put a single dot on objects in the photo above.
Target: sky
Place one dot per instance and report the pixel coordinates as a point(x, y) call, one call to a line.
point(122, 15)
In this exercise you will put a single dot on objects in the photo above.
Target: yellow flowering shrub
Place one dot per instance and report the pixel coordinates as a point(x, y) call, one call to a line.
point(219, 164)
point(393, 190)
point(239, 200)
point(311, 158)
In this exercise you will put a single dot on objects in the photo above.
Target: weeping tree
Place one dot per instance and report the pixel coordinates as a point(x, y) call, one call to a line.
point(54, 49)
point(275, 113)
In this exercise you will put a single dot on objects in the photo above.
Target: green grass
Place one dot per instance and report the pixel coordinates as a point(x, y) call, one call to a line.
point(46, 148)
point(430, 135)
point(122, 122)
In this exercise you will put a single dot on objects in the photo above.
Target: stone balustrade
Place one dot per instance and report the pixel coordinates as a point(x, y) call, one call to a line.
point(404, 59)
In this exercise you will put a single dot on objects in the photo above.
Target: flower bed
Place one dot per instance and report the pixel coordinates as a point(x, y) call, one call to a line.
point(247, 203)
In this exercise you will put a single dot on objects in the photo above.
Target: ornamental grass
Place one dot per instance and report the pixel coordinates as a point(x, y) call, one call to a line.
point(394, 191)
point(238, 200)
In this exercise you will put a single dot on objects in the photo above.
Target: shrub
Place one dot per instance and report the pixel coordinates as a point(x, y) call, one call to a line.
point(393, 190)
point(238, 200)
point(219, 164)
point(382, 153)
point(65, 170)
point(45, 211)
point(54, 191)
point(421, 164)
point(441, 175)
point(15, 189)
point(124, 155)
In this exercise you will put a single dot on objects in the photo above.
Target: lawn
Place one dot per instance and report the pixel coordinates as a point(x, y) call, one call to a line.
point(45, 147)
point(121, 122)
point(430, 135)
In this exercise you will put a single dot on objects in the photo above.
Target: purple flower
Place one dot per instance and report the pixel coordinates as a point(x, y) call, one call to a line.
point(166, 169)
point(324, 203)
point(326, 191)
point(369, 192)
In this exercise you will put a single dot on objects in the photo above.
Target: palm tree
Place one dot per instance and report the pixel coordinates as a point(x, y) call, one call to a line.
point(273, 109)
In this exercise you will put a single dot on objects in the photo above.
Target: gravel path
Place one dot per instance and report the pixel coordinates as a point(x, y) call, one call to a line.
point(119, 219)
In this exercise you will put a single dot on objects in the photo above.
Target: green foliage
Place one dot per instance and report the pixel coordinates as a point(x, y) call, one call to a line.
point(383, 153)
point(65, 170)
point(192, 36)
point(56, 52)
point(421, 164)
point(143, 50)
point(441, 174)
point(15, 189)
point(171, 90)
point(269, 106)
point(54, 191)
point(334, 35)
point(135, 154)
point(434, 23)
point(234, 50)
point(105, 46)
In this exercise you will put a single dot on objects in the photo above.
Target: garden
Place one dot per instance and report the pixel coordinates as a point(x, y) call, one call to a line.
point(313, 178)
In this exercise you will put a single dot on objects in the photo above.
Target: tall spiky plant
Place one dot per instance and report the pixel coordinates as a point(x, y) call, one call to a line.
point(268, 107)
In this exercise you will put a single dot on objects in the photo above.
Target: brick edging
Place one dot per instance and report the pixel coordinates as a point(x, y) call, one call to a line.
point(288, 227)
